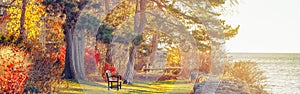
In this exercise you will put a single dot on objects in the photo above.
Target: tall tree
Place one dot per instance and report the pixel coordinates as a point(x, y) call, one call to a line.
point(114, 18)
point(139, 25)
point(73, 67)
point(70, 10)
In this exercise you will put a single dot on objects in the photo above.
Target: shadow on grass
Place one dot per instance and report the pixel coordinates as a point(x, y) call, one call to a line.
point(92, 84)
point(138, 87)
point(73, 89)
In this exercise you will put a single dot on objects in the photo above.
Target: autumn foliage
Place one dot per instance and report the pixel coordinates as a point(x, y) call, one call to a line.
point(247, 71)
point(45, 71)
point(6, 17)
point(61, 56)
point(109, 67)
point(33, 20)
point(14, 69)
point(91, 59)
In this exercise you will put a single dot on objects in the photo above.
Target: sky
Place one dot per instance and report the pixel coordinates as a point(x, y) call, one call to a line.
point(267, 26)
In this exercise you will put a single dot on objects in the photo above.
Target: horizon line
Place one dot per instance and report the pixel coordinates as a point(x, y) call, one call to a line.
point(268, 52)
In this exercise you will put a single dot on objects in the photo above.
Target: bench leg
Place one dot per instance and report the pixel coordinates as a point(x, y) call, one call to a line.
point(117, 86)
point(108, 85)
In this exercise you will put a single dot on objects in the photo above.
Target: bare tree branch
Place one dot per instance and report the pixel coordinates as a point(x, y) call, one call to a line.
point(8, 5)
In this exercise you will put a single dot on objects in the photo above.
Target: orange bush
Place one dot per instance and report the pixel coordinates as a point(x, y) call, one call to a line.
point(14, 70)
point(45, 72)
point(61, 56)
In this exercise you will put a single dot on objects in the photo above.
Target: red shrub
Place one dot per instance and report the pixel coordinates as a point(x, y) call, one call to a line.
point(91, 59)
point(61, 56)
point(14, 70)
point(106, 67)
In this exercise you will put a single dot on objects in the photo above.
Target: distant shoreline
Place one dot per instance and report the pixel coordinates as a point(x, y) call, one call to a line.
point(261, 53)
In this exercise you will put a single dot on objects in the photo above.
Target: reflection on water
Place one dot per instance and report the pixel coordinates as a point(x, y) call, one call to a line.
point(282, 70)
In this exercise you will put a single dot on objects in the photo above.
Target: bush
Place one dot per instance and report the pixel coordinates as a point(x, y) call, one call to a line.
point(61, 56)
point(46, 71)
point(14, 67)
point(91, 59)
point(248, 72)
point(240, 77)
point(205, 62)
point(167, 77)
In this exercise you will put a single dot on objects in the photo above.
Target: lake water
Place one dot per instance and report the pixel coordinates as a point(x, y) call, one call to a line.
point(282, 70)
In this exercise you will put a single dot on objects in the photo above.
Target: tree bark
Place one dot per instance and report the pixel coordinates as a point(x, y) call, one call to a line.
point(128, 78)
point(139, 25)
point(74, 64)
point(108, 58)
point(154, 46)
point(74, 67)
point(22, 22)
point(82, 54)
point(75, 55)
point(78, 56)
point(69, 70)
point(22, 19)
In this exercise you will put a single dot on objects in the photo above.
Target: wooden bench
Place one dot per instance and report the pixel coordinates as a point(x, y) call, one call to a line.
point(168, 69)
point(113, 79)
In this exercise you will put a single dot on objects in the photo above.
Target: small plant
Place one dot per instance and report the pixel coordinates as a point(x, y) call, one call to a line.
point(15, 69)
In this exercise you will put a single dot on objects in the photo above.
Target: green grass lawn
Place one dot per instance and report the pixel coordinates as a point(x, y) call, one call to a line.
point(139, 87)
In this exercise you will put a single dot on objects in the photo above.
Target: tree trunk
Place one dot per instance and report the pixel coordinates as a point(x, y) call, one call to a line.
point(108, 58)
point(128, 78)
point(74, 64)
point(139, 25)
point(75, 55)
point(69, 70)
point(22, 23)
point(81, 55)
point(78, 56)
point(22, 19)
point(154, 47)
point(74, 59)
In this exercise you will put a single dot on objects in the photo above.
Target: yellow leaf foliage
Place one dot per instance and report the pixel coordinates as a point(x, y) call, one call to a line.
point(33, 21)
point(173, 57)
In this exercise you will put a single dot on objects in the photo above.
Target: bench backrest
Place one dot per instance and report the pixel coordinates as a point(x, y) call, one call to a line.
point(108, 75)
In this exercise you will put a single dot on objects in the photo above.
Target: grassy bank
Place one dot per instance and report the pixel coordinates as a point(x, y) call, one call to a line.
point(169, 86)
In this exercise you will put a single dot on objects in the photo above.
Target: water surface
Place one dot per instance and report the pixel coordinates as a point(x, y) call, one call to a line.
point(282, 70)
